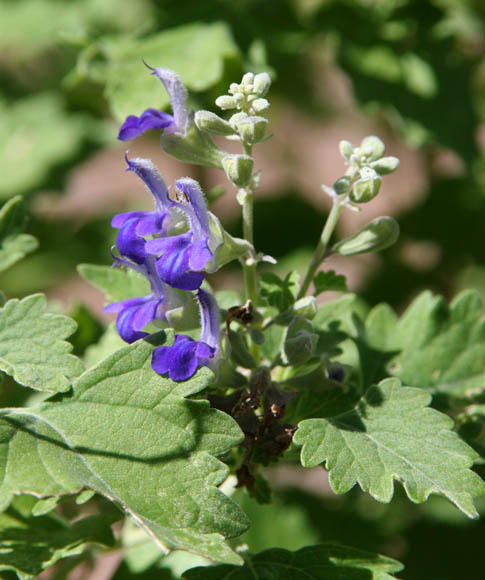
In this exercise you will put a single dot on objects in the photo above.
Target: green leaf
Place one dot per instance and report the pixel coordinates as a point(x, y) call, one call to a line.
point(117, 283)
point(419, 76)
point(14, 245)
point(322, 562)
point(379, 62)
point(32, 346)
point(30, 545)
point(390, 434)
point(432, 345)
point(329, 280)
point(35, 135)
point(196, 51)
point(129, 434)
point(279, 293)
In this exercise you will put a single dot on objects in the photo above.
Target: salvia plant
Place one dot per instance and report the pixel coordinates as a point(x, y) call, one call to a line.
point(191, 398)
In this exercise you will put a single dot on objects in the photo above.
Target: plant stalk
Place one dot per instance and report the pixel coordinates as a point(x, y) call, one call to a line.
point(319, 253)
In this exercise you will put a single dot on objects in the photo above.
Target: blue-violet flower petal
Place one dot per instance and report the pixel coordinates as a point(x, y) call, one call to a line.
point(181, 360)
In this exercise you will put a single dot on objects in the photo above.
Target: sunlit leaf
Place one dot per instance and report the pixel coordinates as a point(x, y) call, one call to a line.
point(129, 434)
point(32, 345)
point(392, 434)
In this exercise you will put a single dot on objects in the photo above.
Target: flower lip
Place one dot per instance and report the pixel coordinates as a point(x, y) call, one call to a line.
point(134, 314)
point(150, 119)
point(181, 360)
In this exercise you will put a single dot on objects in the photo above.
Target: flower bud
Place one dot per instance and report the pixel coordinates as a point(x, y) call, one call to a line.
point(238, 169)
point(379, 234)
point(346, 149)
point(335, 372)
point(300, 341)
point(372, 147)
point(212, 123)
point(260, 105)
point(226, 102)
point(342, 185)
point(248, 79)
point(240, 99)
point(261, 84)
point(367, 187)
point(252, 129)
point(237, 118)
point(306, 307)
point(385, 165)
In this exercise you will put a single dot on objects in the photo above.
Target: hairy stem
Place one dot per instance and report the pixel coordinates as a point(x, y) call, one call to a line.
point(249, 264)
point(319, 253)
point(249, 269)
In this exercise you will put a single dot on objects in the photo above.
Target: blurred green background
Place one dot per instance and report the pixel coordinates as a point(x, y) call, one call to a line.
point(410, 71)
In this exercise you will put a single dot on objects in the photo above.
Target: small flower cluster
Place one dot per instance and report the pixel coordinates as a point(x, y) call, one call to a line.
point(171, 246)
point(366, 166)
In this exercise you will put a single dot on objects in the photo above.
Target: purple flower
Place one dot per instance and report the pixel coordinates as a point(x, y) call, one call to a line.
point(152, 118)
point(135, 225)
point(135, 314)
point(186, 355)
point(183, 256)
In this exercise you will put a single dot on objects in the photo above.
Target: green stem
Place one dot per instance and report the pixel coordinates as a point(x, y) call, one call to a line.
point(319, 253)
point(249, 270)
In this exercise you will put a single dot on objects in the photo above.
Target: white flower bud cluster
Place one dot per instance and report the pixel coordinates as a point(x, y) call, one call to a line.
point(367, 165)
point(247, 98)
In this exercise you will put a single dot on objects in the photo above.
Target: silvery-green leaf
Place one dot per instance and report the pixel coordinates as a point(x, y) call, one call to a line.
point(391, 434)
point(130, 435)
point(33, 349)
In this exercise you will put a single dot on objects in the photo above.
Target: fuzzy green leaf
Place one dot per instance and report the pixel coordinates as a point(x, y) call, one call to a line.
point(32, 346)
point(432, 345)
point(196, 51)
point(116, 283)
point(391, 434)
point(129, 434)
point(30, 545)
point(322, 562)
point(13, 243)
